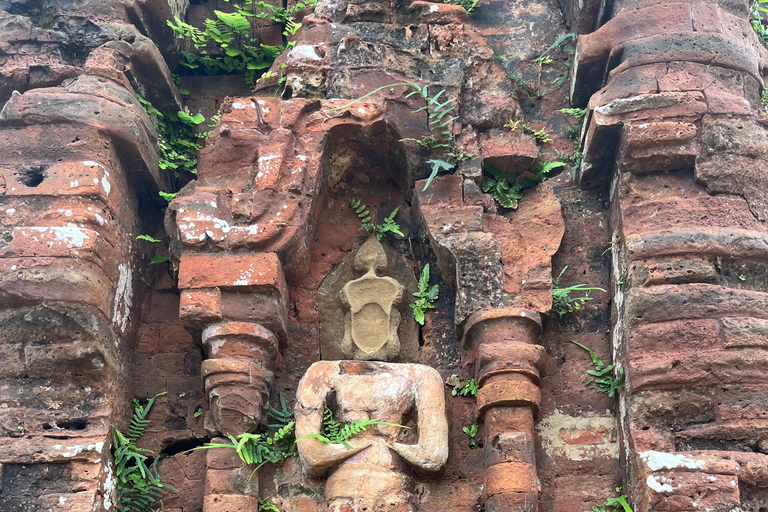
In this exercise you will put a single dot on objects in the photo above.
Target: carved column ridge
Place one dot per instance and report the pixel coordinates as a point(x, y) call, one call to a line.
point(507, 373)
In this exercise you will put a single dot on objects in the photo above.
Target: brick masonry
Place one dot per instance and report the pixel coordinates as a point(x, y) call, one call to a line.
point(667, 211)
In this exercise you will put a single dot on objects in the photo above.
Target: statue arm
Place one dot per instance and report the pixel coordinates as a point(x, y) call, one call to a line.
point(431, 451)
point(310, 404)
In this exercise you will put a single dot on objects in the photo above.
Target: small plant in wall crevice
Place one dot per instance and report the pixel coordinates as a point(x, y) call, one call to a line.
point(425, 297)
point(139, 488)
point(260, 448)
point(507, 187)
point(380, 230)
point(471, 431)
point(562, 302)
point(338, 433)
point(618, 504)
point(462, 387)
point(602, 376)
point(440, 117)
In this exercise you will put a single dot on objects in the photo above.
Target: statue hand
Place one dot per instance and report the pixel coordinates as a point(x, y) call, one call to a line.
point(420, 456)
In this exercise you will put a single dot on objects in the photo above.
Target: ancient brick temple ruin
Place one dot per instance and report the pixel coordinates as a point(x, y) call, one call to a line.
point(255, 283)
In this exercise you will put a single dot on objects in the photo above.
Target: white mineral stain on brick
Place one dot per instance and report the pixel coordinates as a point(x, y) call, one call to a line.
point(662, 460)
point(653, 483)
point(237, 105)
point(303, 52)
point(72, 235)
point(109, 486)
point(10, 211)
point(216, 345)
point(266, 161)
point(123, 297)
point(77, 449)
point(99, 219)
point(105, 184)
point(434, 8)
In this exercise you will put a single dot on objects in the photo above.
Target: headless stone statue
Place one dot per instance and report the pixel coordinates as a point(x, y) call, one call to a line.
point(375, 474)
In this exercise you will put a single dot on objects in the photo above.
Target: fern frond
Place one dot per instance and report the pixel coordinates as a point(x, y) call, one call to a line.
point(338, 433)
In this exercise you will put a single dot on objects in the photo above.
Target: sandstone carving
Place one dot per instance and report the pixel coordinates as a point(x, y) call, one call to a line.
point(374, 474)
point(370, 320)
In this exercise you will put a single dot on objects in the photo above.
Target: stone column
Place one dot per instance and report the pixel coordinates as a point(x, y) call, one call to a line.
point(236, 302)
point(507, 363)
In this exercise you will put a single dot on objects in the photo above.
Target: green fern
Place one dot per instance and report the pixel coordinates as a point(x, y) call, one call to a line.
point(267, 506)
point(175, 138)
point(439, 112)
point(507, 187)
point(389, 226)
point(139, 487)
point(440, 117)
point(425, 296)
point(370, 227)
point(282, 416)
point(562, 302)
point(331, 427)
point(468, 5)
point(437, 166)
point(363, 214)
point(757, 20)
point(167, 196)
point(236, 37)
point(578, 113)
point(159, 259)
point(260, 449)
point(148, 238)
point(603, 381)
point(338, 433)
point(618, 504)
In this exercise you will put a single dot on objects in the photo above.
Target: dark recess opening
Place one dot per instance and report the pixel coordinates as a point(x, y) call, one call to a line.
point(32, 176)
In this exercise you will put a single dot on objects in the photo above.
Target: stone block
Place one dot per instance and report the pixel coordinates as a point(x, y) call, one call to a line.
point(230, 503)
point(508, 151)
point(199, 307)
point(221, 459)
point(660, 146)
point(510, 477)
point(440, 14)
point(261, 271)
point(508, 393)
